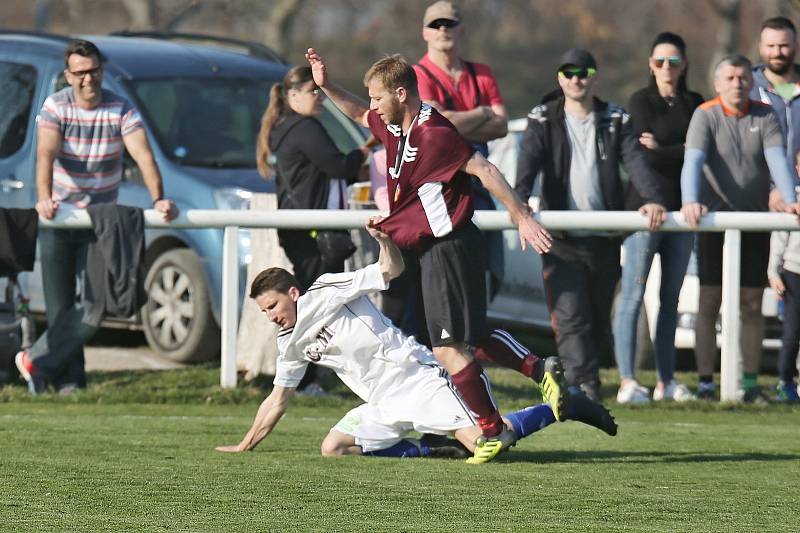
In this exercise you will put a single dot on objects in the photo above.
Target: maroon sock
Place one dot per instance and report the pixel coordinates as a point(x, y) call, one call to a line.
point(501, 348)
point(473, 387)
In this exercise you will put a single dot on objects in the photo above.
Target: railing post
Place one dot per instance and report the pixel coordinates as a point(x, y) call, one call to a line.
point(230, 306)
point(731, 333)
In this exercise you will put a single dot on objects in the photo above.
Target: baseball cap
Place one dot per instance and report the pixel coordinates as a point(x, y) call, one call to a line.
point(577, 57)
point(441, 10)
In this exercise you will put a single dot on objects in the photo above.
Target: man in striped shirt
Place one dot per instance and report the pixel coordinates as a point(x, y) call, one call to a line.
point(82, 132)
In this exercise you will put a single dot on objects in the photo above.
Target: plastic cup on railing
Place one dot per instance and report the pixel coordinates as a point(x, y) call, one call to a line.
point(360, 193)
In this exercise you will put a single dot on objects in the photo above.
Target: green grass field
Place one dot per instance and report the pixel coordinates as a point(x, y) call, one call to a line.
point(135, 452)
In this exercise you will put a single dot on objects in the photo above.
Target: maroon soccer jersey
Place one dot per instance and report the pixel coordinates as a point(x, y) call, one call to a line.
point(429, 196)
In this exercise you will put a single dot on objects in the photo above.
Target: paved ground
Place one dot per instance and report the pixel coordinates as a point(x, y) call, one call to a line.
point(123, 350)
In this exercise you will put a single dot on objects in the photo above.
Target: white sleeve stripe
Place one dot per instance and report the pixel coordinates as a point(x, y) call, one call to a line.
point(513, 345)
point(430, 194)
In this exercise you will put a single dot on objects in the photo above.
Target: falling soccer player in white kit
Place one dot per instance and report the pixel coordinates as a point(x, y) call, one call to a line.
point(335, 325)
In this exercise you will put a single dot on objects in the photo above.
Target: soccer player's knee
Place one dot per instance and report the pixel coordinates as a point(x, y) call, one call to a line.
point(330, 447)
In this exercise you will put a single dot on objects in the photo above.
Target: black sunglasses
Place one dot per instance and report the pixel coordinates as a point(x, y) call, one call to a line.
point(443, 23)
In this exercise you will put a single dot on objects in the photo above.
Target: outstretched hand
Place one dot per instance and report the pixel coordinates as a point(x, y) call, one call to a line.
point(318, 69)
point(230, 449)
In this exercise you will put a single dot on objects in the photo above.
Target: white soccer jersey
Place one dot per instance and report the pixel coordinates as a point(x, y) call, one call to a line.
point(340, 328)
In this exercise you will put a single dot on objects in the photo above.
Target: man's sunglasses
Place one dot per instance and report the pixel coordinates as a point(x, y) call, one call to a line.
point(443, 23)
point(672, 61)
point(93, 72)
point(582, 73)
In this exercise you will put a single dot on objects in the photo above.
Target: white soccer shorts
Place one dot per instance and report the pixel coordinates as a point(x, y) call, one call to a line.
point(425, 402)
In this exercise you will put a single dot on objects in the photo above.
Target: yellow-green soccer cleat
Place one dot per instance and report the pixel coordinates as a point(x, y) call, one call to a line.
point(554, 387)
point(487, 448)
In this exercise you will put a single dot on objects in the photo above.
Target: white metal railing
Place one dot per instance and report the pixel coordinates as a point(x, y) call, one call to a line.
point(231, 221)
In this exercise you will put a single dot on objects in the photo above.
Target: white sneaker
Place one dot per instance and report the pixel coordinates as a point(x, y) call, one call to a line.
point(674, 391)
point(633, 393)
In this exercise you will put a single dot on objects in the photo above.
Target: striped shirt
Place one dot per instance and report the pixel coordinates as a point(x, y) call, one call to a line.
point(88, 168)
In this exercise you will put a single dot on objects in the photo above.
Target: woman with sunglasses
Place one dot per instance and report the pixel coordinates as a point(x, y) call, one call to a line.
point(661, 113)
point(310, 170)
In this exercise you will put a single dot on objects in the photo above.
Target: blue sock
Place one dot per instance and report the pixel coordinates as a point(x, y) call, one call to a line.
point(404, 448)
point(531, 419)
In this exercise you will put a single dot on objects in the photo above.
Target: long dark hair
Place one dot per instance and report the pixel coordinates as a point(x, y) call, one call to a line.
point(275, 111)
point(678, 42)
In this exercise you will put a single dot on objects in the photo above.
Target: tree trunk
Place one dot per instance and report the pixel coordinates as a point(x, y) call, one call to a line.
point(277, 27)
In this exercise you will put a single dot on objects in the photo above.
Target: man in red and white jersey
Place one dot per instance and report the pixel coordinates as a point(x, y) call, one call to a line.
point(430, 197)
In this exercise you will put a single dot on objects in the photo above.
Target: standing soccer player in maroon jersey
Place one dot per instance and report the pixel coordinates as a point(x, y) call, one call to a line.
point(430, 199)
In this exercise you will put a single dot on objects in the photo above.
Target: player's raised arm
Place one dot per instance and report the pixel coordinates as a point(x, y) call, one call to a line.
point(389, 257)
point(270, 411)
point(530, 231)
point(349, 104)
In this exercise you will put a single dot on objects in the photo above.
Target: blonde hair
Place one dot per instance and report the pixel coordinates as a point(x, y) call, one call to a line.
point(393, 72)
point(275, 110)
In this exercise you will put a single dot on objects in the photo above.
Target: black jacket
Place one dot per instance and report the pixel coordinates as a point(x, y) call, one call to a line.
point(668, 122)
point(307, 159)
point(18, 231)
point(545, 147)
point(114, 284)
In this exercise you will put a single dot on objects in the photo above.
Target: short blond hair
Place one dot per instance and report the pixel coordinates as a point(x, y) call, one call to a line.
point(393, 71)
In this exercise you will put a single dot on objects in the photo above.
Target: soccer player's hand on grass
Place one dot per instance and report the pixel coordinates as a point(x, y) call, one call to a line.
point(230, 449)
point(318, 70)
point(533, 233)
point(655, 213)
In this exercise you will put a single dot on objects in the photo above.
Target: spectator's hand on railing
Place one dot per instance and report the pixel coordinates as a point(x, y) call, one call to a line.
point(777, 285)
point(793, 208)
point(47, 208)
point(656, 215)
point(533, 233)
point(167, 208)
point(776, 202)
point(692, 213)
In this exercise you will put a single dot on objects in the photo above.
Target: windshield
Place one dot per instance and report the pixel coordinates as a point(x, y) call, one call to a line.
point(215, 122)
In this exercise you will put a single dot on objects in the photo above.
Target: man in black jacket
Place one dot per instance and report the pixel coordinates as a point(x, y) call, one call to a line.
point(577, 142)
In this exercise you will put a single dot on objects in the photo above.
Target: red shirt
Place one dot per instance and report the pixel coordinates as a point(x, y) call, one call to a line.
point(462, 91)
point(429, 196)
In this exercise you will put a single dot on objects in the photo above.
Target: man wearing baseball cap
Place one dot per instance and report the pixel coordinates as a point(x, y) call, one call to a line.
point(578, 141)
point(467, 94)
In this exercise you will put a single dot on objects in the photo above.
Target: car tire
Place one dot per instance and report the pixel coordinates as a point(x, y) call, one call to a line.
point(177, 319)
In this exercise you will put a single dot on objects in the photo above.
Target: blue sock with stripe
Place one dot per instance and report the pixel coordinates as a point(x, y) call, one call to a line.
point(531, 419)
point(404, 448)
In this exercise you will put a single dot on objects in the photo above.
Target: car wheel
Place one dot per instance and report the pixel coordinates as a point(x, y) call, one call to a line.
point(177, 318)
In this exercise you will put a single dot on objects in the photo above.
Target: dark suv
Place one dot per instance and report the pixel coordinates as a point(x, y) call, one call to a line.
point(201, 99)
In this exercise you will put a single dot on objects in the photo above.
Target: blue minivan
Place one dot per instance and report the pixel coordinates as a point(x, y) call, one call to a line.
point(201, 99)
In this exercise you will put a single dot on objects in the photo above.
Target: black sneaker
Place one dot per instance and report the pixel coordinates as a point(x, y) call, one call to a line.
point(443, 447)
point(706, 391)
point(581, 408)
point(592, 390)
point(755, 395)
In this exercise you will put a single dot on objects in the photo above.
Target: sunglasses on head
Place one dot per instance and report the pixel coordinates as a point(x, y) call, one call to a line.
point(672, 61)
point(443, 23)
point(582, 73)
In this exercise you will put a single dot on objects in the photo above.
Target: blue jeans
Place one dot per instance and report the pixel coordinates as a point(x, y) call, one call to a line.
point(640, 247)
point(58, 352)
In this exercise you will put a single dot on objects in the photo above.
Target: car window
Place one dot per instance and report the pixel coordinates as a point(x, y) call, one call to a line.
point(215, 122)
point(17, 87)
